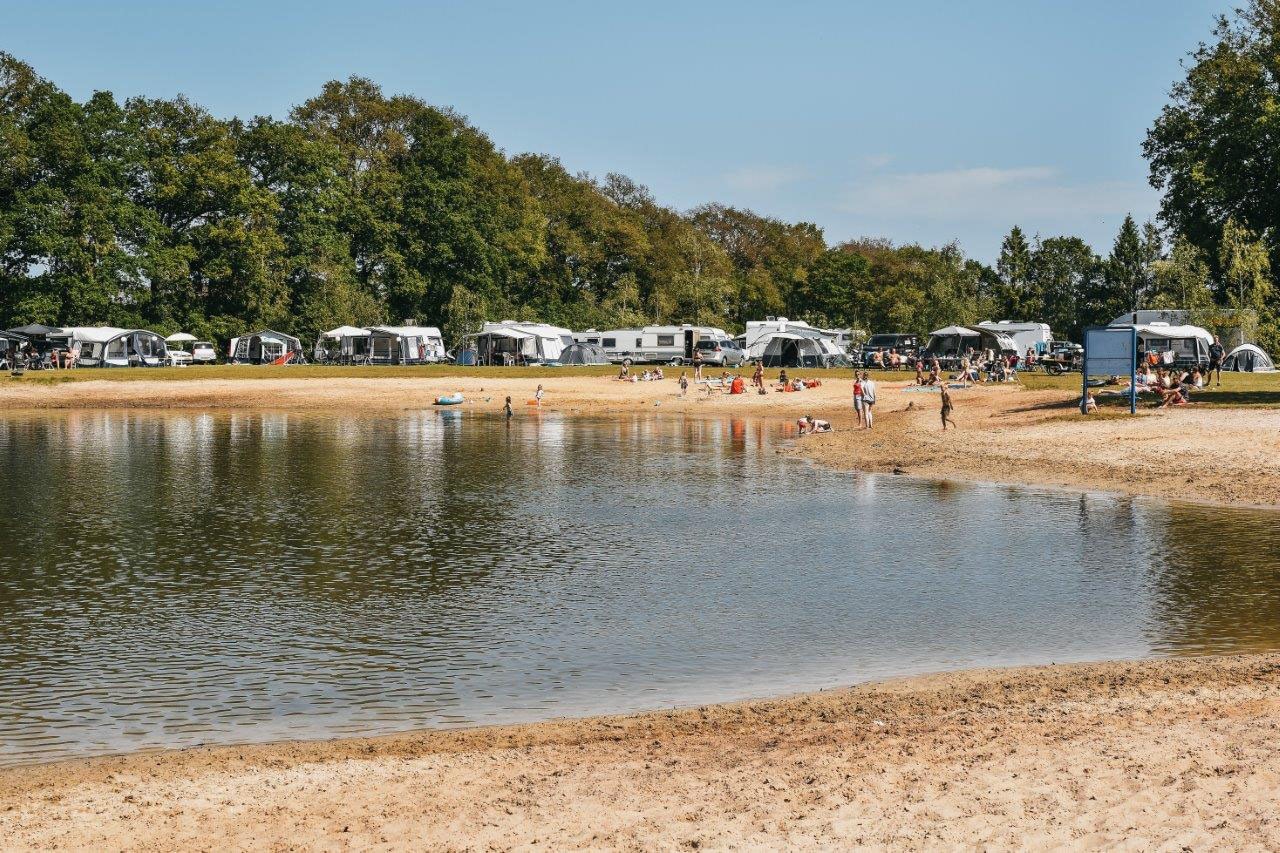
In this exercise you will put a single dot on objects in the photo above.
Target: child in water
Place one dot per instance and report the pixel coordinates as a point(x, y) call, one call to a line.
point(507, 410)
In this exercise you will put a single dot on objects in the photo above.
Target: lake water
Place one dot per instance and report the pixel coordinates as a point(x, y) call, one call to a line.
point(175, 579)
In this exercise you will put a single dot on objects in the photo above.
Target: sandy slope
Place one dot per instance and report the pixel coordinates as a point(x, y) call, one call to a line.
point(1006, 434)
point(1162, 754)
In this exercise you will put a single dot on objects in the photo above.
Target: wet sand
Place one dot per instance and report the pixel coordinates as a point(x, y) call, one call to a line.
point(1165, 754)
point(1006, 434)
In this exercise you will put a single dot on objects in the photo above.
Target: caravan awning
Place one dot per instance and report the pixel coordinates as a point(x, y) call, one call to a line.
point(345, 332)
point(961, 331)
point(515, 334)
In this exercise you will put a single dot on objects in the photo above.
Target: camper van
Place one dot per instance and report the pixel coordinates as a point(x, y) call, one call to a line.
point(1028, 336)
point(106, 346)
point(653, 344)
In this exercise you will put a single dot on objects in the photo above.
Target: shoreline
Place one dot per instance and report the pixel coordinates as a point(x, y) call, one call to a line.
point(1007, 435)
point(1086, 754)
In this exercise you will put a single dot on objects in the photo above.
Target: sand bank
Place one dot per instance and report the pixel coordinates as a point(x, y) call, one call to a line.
point(1006, 434)
point(1168, 754)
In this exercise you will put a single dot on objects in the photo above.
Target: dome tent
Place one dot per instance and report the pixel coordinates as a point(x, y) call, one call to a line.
point(580, 353)
point(1248, 358)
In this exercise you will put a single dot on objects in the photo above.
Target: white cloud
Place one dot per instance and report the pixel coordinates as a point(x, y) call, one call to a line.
point(990, 194)
point(763, 178)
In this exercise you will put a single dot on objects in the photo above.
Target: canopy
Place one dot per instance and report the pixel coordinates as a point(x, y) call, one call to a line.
point(516, 334)
point(179, 338)
point(34, 330)
point(95, 334)
point(345, 332)
point(1249, 358)
point(1164, 330)
point(408, 331)
point(962, 331)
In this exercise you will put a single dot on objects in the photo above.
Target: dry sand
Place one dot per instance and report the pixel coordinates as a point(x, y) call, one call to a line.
point(1006, 434)
point(1175, 754)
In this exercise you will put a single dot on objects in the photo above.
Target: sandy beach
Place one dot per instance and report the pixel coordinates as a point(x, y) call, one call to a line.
point(1176, 753)
point(1006, 434)
point(1172, 754)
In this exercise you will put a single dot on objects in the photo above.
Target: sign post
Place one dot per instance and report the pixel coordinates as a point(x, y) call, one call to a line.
point(1112, 351)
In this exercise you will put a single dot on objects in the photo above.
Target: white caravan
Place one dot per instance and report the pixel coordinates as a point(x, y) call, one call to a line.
point(652, 344)
point(1028, 336)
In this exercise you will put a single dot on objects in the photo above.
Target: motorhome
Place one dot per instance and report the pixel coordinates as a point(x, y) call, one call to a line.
point(1028, 336)
point(652, 344)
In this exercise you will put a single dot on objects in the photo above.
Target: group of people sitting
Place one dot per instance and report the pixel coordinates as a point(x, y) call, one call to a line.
point(998, 369)
point(654, 375)
point(28, 357)
point(1173, 386)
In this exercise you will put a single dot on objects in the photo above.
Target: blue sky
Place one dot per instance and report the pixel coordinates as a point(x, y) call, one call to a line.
point(922, 122)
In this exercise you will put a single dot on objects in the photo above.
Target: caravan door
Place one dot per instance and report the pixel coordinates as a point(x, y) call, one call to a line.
point(690, 343)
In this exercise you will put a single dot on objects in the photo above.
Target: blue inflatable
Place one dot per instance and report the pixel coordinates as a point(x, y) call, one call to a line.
point(450, 400)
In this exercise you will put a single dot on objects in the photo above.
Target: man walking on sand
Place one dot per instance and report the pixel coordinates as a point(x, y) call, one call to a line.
point(946, 409)
point(1216, 354)
point(868, 398)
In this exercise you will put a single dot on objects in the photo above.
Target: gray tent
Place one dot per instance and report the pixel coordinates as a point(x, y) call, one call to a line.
point(584, 354)
point(1248, 358)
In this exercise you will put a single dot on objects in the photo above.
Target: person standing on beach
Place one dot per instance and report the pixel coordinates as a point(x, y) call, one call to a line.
point(537, 396)
point(857, 398)
point(757, 378)
point(684, 384)
point(1216, 355)
point(868, 399)
point(946, 409)
point(697, 365)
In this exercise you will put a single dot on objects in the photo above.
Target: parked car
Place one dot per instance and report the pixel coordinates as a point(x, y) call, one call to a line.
point(720, 352)
point(178, 357)
point(204, 352)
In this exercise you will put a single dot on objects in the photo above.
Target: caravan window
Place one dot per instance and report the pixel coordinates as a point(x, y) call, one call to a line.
point(115, 349)
point(609, 343)
point(666, 340)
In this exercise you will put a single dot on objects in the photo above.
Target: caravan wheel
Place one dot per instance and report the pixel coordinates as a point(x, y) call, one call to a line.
point(676, 362)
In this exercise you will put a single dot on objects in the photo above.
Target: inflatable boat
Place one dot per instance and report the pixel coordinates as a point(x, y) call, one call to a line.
point(449, 400)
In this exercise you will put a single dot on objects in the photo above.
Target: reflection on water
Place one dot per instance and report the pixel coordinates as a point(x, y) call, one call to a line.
point(177, 579)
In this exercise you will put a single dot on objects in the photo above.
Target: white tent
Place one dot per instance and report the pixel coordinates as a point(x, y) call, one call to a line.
point(796, 347)
point(345, 332)
point(405, 344)
point(108, 346)
point(515, 342)
point(1249, 358)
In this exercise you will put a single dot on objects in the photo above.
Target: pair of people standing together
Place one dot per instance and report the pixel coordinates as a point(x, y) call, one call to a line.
point(864, 399)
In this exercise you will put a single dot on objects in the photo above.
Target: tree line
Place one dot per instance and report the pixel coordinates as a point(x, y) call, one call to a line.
point(364, 208)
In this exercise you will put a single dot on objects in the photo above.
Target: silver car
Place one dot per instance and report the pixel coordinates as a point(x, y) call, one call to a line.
point(721, 352)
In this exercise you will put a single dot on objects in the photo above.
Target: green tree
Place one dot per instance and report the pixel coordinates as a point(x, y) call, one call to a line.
point(1246, 271)
point(1126, 277)
point(1212, 150)
point(1066, 271)
point(1015, 299)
